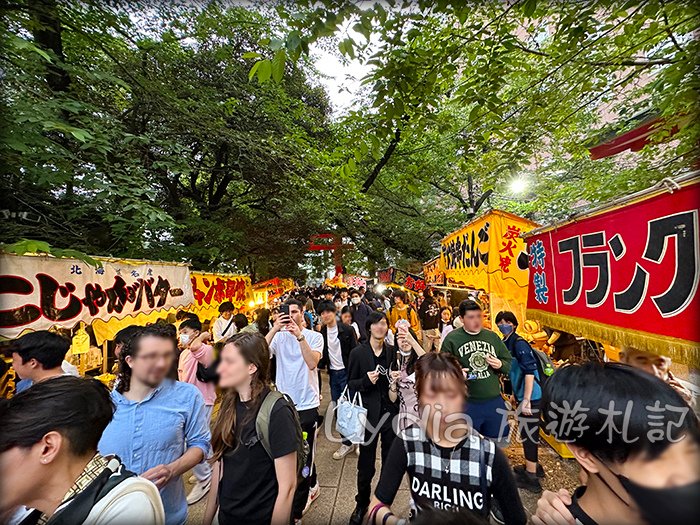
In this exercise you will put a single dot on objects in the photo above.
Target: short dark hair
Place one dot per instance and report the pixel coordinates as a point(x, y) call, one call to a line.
point(508, 317)
point(295, 302)
point(194, 324)
point(182, 314)
point(345, 310)
point(601, 433)
point(226, 306)
point(131, 348)
point(241, 321)
point(123, 335)
point(374, 318)
point(48, 348)
point(468, 305)
point(400, 294)
point(79, 409)
point(355, 292)
point(326, 306)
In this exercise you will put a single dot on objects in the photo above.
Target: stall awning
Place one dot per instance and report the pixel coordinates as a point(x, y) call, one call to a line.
point(626, 273)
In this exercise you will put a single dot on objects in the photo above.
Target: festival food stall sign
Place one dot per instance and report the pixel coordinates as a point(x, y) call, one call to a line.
point(41, 292)
point(432, 272)
point(488, 254)
point(267, 291)
point(396, 277)
point(354, 281)
point(212, 289)
point(625, 274)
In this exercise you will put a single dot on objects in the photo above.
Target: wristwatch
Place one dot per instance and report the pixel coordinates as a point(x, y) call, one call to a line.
point(300, 338)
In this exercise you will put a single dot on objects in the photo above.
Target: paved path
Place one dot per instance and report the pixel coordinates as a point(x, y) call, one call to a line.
point(338, 481)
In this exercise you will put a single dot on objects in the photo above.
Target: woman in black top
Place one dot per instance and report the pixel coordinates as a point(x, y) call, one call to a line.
point(369, 373)
point(449, 465)
point(254, 487)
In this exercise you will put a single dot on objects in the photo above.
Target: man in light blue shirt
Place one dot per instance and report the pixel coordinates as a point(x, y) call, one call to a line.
point(159, 429)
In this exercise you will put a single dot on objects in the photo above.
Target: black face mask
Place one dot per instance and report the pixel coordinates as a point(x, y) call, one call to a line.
point(672, 505)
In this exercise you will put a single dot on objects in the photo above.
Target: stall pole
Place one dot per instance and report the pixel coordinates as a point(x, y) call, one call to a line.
point(104, 356)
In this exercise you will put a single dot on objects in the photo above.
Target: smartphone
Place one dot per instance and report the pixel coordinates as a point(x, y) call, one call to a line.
point(284, 309)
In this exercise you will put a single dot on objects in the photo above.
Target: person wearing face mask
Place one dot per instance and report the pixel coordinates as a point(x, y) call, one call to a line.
point(526, 396)
point(360, 311)
point(639, 445)
point(196, 350)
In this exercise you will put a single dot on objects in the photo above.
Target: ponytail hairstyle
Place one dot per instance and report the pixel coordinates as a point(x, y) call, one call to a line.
point(254, 350)
point(131, 348)
point(439, 372)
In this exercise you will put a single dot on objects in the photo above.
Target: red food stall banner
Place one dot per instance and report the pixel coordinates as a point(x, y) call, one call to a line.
point(627, 275)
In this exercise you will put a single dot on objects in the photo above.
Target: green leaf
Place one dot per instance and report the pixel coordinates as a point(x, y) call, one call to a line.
point(254, 69)
point(293, 41)
point(278, 62)
point(529, 8)
point(251, 54)
point(264, 71)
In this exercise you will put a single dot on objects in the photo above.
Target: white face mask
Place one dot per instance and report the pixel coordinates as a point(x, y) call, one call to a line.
point(184, 339)
point(355, 300)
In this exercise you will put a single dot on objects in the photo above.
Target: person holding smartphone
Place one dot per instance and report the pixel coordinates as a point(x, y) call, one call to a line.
point(369, 373)
point(297, 351)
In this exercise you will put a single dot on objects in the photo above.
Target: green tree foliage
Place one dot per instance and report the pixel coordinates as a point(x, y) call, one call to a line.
point(200, 133)
point(140, 134)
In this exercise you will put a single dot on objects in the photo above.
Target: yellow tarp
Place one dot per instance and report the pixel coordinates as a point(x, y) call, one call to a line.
point(483, 255)
point(212, 289)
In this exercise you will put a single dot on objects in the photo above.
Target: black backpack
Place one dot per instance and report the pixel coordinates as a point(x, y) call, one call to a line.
point(81, 505)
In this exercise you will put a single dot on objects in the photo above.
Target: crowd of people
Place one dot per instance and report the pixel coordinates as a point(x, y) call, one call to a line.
point(237, 405)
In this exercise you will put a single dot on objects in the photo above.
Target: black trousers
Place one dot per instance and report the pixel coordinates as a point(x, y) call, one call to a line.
point(309, 421)
point(368, 456)
point(530, 431)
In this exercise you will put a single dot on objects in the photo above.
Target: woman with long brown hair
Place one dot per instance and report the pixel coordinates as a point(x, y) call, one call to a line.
point(255, 487)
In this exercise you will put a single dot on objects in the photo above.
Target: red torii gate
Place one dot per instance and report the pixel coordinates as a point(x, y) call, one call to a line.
point(331, 242)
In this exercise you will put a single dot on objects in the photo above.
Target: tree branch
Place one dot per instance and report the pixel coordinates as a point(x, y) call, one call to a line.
point(382, 162)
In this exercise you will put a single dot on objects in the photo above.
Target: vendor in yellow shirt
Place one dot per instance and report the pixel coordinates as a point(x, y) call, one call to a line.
point(402, 310)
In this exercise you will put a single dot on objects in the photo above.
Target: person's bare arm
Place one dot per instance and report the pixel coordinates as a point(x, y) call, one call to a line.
point(527, 394)
point(213, 496)
point(551, 509)
point(286, 472)
point(379, 516)
point(161, 475)
point(311, 358)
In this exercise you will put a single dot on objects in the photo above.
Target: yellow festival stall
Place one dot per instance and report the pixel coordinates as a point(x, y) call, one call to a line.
point(212, 289)
point(488, 256)
point(41, 292)
point(265, 292)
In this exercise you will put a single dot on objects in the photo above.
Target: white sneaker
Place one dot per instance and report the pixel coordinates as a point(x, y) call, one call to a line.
point(198, 492)
point(192, 479)
point(343, 451)
point(314, 493)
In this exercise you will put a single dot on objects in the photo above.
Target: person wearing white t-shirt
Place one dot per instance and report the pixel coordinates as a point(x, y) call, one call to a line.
point(297, 353)
point(224, 327)
point(338, 340)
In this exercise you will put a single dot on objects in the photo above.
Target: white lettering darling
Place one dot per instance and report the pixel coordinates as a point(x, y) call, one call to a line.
point(447, 498)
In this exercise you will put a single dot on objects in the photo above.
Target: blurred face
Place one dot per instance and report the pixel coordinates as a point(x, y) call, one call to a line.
point(355, 298)
point(118, 349)
point(446, 316)
point(296, 314)
point(398, 300)
point(379, 330)
point(153, 360)
point(234, 371)
point(444, 406)
point(651, 363)
point(346, 318)
point(678, 465)
point(328, 318)
point(227, 315)
point(473, 321)
point(344, 295)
